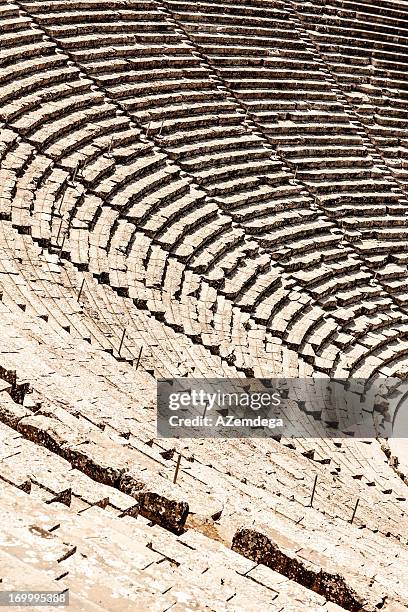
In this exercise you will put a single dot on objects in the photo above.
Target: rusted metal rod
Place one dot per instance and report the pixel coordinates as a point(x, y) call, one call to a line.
point(80, 291)
point(110, 147)
point(121, 342)
point(59, 230)
point(355, 510)
point(138, 359)
point(313, 492)
point(177, 469)
point(75, 173)
point(62, 246)
point(61, 203)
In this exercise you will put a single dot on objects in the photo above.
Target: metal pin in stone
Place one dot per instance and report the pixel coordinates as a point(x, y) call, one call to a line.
point(138, 359)
point(355, 510)
point(313, 492)
point(59, 230)
point(177, 469)
point(80, 291)
point(121, 342)
point(161, 129)
point(61, 203)
point(62, 246)
point(84, 165)
point(75, 173)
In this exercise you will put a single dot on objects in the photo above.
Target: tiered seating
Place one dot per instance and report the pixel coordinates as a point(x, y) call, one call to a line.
point(92, 414)
point(146, 189)
point(365, 47)
point(290, 98)
point(43, 288)
point(160, 571)
point(106, 178)
point(178, 102)
point(194, 190)
point(44, 97)
point(111, 463)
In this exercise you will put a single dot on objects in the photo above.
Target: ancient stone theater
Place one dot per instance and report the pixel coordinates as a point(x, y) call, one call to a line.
point(210, 189)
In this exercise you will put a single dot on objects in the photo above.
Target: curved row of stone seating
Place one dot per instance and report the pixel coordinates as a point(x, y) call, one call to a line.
point(145, 230)
point(93, 415)
point(51, 199)
point(365, 47)
point(179, 138)
point(91, 411)
point(57, 430)
point(108, 217)
point(103, 228)
point(331, 142)
point(59, 229)
point(50, 291)
point(245, 168)
point(255, 291)
point(67, 317)
point(137, 75)
point(338, 280)
point(59, 536)
point(53, 104)
point(109, 221)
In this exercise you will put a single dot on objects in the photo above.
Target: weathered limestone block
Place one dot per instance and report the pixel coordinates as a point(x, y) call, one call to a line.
point(103, 463)
point(158, 501)
point(320, 574)
point(109, 463)
point(10, 412)
point(48, 432)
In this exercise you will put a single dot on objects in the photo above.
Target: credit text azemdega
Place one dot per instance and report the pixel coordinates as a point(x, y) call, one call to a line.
point(224, 421)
